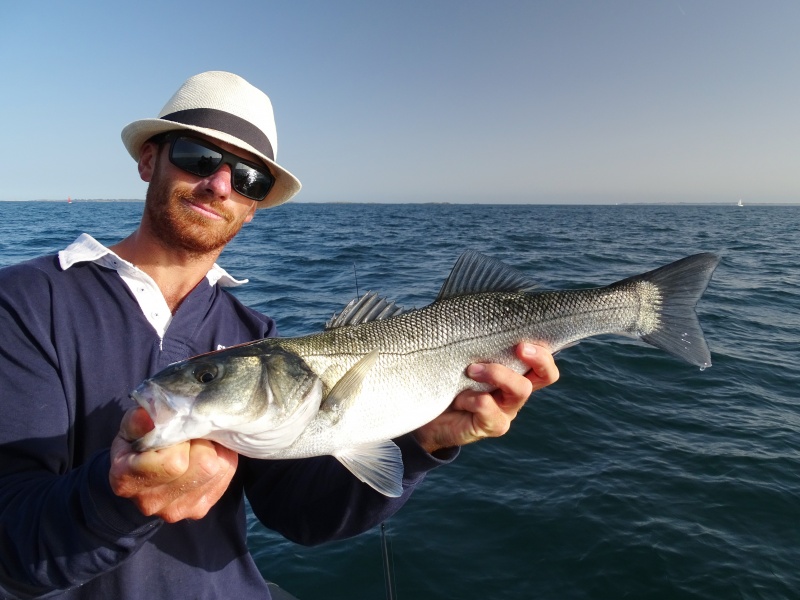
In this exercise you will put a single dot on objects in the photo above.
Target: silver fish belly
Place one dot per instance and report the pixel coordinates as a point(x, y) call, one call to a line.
point(377, 372)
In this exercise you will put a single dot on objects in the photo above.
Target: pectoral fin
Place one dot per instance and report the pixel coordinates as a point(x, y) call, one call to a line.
point(379, 465)
point(346, 389)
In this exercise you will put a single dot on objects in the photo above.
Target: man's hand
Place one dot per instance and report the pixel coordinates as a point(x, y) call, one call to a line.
point(180, 482)
point(476, 415)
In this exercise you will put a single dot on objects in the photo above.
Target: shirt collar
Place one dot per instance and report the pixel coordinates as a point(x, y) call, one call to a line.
point(88, 249)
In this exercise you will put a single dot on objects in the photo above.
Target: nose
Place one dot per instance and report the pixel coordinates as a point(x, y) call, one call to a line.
point(218, 184)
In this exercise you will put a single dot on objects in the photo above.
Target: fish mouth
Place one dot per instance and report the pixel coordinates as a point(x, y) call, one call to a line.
point(153, 399)
point(161, 410)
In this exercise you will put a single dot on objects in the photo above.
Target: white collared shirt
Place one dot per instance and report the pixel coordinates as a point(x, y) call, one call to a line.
point(144, 289)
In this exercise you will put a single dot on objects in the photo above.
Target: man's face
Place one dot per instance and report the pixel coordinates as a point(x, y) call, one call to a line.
point(197, 214)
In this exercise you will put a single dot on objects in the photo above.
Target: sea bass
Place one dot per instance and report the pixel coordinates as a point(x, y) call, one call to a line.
point(378, 372)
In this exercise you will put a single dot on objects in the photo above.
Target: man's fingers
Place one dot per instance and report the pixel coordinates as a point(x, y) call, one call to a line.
point(488, 417)
point(180, 482)
point(135, 423)
point(133, 472)
point(542, 364)
point(514, 389)
point(474, 415)
point(473, 402)
point(211, 470)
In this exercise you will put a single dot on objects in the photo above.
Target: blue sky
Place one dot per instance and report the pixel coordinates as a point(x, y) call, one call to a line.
point(437, 100)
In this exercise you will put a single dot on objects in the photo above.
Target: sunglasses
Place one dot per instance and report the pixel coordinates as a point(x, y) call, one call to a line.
point(203, 158)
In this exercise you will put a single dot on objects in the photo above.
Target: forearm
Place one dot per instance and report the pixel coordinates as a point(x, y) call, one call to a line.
point(60, 531)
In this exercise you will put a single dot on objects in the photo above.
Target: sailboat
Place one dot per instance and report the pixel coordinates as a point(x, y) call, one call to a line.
point(69, 200)
point(740, 202)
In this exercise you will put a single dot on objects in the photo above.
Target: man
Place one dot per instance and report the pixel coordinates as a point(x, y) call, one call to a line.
point(84, 516)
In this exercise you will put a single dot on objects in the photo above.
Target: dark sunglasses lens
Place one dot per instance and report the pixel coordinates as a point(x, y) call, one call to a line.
point(194, 158)
point(251, 183)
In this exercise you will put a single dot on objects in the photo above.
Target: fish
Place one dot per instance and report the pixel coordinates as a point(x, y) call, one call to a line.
point(377, 372)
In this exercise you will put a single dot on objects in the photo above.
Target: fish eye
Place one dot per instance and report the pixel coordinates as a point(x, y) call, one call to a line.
point(205, 373)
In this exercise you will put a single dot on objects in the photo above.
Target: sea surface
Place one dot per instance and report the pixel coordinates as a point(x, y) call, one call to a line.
point(635, 476)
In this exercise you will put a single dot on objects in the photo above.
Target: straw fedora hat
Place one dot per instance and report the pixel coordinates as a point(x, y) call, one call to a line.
point(224, 107)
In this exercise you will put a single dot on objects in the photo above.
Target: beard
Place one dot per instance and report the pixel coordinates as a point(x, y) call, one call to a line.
point(176, 225)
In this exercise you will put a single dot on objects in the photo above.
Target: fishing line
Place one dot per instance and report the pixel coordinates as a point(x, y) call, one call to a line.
point(388, 565)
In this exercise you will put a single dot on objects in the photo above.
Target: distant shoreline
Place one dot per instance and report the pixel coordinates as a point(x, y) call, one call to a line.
point(76, 200)
point(544, 203)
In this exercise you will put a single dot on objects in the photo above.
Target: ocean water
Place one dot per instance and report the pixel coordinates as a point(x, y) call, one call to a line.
point(635, 476)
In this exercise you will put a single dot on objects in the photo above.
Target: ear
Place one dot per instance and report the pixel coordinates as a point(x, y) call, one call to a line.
point(147, 161)
point(251, 213)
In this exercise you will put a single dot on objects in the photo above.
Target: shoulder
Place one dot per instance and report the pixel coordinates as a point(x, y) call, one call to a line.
point(42, 274)
point(28, 279)
point(31, 286)
point(27, 294)
point(257, 324)
point(31, 268)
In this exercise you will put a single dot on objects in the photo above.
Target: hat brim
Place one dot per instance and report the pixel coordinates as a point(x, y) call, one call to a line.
point(135, 134)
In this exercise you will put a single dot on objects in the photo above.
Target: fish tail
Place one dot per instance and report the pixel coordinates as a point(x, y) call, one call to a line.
point(676, 328)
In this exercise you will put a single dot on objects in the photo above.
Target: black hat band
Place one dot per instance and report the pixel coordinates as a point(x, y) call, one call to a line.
point(211, 118)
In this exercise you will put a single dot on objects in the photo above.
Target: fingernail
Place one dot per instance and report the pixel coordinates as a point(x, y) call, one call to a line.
point(528, 350)
point(476, 369)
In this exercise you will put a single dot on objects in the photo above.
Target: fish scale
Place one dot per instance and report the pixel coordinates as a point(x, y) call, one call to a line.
point(450, 335)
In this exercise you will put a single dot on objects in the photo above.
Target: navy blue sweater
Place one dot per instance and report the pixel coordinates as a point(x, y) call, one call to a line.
point(74, 344)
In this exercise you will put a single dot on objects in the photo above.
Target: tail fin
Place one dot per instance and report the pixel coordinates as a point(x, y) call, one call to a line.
point(681, 284)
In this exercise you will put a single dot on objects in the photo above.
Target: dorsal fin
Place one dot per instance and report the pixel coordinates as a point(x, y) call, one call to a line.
point(474, 273)
point(370, 307)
